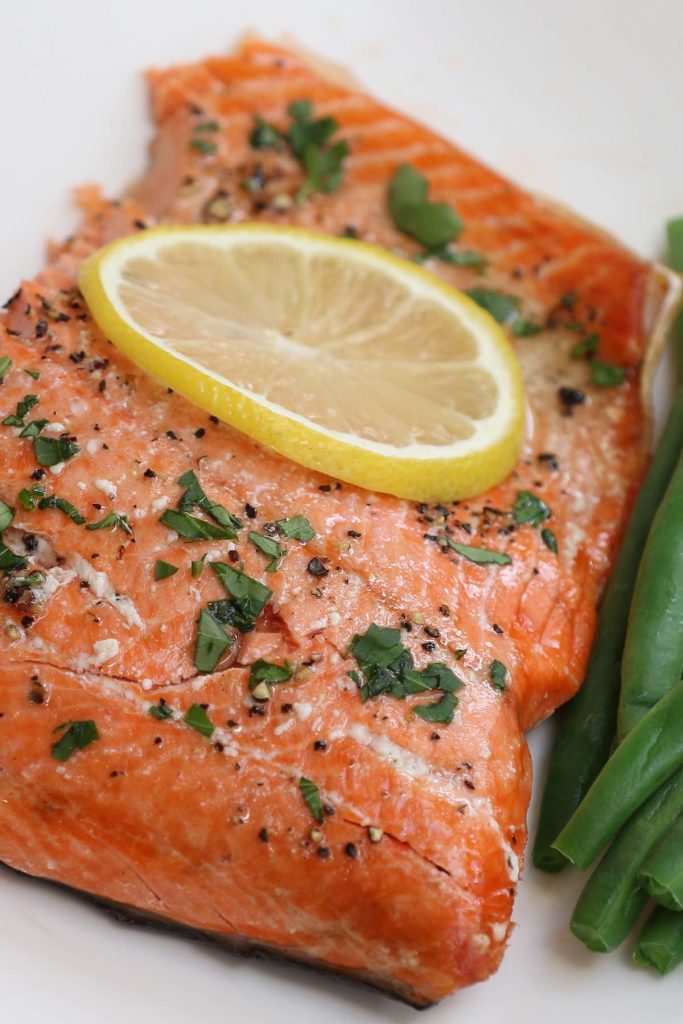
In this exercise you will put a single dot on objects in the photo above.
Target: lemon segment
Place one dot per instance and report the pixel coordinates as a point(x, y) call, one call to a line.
point(334, 353)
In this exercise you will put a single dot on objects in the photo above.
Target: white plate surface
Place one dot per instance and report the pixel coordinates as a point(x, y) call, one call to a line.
point(578, 100)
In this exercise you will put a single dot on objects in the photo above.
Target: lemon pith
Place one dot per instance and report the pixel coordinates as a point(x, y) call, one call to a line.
point(332, 352)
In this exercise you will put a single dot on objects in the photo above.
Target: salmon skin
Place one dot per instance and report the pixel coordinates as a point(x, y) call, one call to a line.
point(356, 835)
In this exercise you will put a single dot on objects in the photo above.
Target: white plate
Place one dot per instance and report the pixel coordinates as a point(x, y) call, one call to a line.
point(581, 101)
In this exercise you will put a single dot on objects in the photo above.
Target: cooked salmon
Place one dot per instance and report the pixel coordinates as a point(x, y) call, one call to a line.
point(355, 834)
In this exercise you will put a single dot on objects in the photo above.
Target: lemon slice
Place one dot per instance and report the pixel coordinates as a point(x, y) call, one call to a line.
point(334, 353)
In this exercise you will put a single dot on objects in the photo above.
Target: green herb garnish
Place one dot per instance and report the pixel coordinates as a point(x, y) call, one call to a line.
point(433, 225)
point(265, 135)
point(207, 126)
point(194, 528)
point(525, 328)
point(311, 795)
point(32, 373)
point(441, 710)
point(78, 736)
point(247, 600)
point(456, 257)
point(8, 560)
point(503, 308)
point(6, 516)
point(549, 539)
point(212, 642)
point(162, 570)
point(197, 566)
point(203, 145)
point(298, 528)
point(266, 672)
point(497, 675)
point(195, 496)
point(482, 556)
point(33, 428)
point(5, 365)
point(161, 711)
point(387, 667)
point(587, 347)
point(52, 501)
point(23, 407)
point(197, 718)
point(115, 520)
point(605, 375)
point(272, 549)
point(50, 451)
point(529, 508)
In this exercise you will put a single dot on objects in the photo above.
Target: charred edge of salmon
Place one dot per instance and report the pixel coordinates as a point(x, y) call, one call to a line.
point(236, 945)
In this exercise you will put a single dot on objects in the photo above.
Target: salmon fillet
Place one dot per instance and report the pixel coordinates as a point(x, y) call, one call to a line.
point(409, 879)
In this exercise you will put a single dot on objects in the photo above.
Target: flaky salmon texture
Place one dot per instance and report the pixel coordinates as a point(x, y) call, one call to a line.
point(409, 879)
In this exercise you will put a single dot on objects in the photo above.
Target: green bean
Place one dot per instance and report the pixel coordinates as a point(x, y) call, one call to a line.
point(660, 943)
point(653, 649)
point(612, 899)
point(649, 755)
point(588, 723)
point(661, 874)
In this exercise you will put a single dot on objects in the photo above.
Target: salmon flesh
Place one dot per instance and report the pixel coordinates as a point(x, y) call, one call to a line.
point(354, 834)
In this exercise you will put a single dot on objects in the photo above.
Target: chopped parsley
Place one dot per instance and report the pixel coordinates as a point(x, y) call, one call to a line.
point(195, 496)
point(265, 135)
point(247, 599)
point(194, 528)
point(311, 795)
point(197, 718)
point(585, 348)
point(310, 142)
point(6, 516)
point(386, 666)
point(115, 520)
point(207, 126)
point(441, 711)
point(298, 528)
point(549, 539)
point(456, 257)
point(161, 711)
point(196, 566)
point(32, 373)
point(504, 309)
point(5, 366)
point(33, 428)
point(52, 501)
point(266, 672)
point(498, 675)
point(529, 508)
point(50, 451)
point(162, 570)
point(203, 145)
point(78, 736)
point(482, 556)
point(433, 225)
point(212, 642)
point(272, 549)
point(8, 560)
point(605, 375)
point(23, 408)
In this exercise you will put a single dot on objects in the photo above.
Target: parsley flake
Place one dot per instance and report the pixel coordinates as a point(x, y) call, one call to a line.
point(6, 516)
point(311, 795)
point(272, 549)
point(441, 711)
point(265, 135)
point(78, 736)
point(247, 599)
point(162, 570)
point(52, 501)
point(161, 711)
point(585, 348)
point(203, 145)
point(549, 539)
point(605, 375)
point(5, 366)
point(197, 718)
point(497, 675)
point(50, 451)
point(529, 508)
point(194, 528)
point(212, 642)
point(114, 520)
point(298, 528)
point(481, 556)
point(195, 496)
point(266, 672)
point(433, 225)
point(23, 407)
